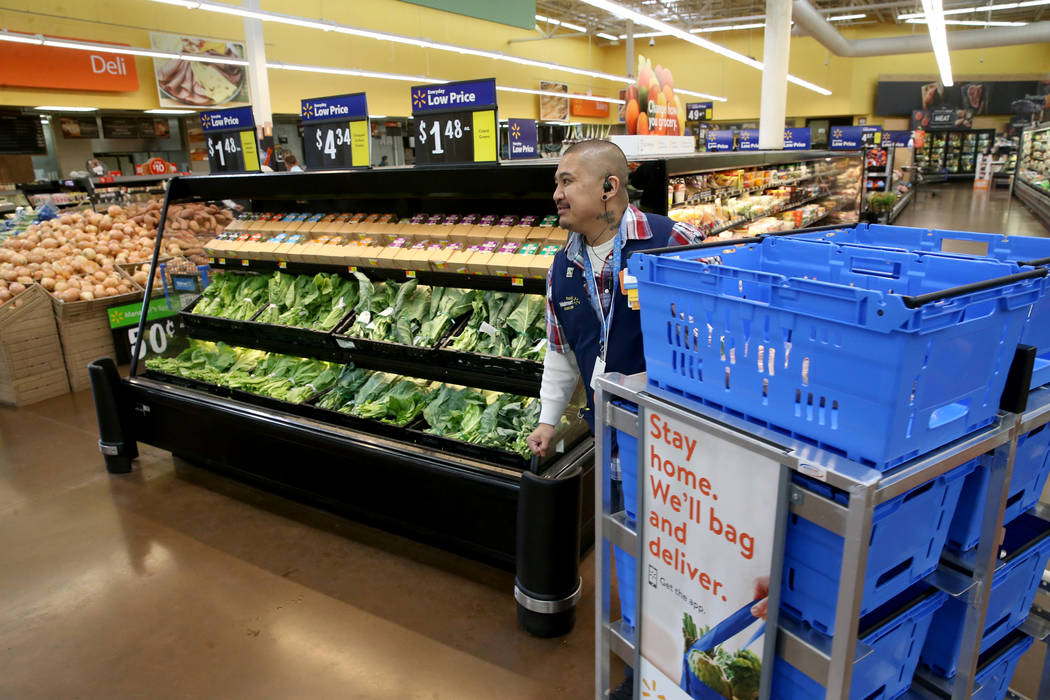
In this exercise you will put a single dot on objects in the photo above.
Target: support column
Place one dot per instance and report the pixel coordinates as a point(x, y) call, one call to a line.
point(629, 42)
point(776, 51)
point(257, 75)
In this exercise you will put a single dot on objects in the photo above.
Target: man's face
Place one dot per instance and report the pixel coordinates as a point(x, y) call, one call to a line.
point(577, 194)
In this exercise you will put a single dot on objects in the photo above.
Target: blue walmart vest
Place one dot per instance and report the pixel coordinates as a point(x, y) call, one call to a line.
point(575, 312)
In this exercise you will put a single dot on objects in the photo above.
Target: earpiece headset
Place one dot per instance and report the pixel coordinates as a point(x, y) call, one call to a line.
point(607, 187)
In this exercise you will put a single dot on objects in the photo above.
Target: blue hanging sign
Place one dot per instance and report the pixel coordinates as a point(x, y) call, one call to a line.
point(335, 132)
point(228, 120)
point(748, 140)
point(898, 138)
point(720, 140)
point(338, 108)
point(797, 139)
point(846, 137)
point(523, 141)
point(230, 135)
point(468, 95)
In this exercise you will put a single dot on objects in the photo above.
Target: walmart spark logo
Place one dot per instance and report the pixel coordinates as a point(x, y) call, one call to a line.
point(836, 133)
point(206, 120)
point(308, 110)
point(419, 98)
point(649, 688)
point(515, 132)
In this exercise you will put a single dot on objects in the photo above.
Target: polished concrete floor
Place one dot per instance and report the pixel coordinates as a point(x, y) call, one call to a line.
point(957, 207)
point(172, 583)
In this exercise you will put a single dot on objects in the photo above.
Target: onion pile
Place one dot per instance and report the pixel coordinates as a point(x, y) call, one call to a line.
point(75, 256)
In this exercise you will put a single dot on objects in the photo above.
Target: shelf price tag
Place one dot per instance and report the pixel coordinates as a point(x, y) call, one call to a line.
point(230, 134)
point(455, 122)
point(335, 132)
point(282, 264)
point(222, 261)
point(245, 263)
point(410, 274)
point(517, 281)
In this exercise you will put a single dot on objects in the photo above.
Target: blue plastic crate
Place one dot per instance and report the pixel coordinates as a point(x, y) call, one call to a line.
point(895, 632)
point(626, 584)
point(907, 535)
point(628, 446)
point(1012, 249)
point(1031, 467)
point(1014, 585)
point(826, 342)
point(996, 667)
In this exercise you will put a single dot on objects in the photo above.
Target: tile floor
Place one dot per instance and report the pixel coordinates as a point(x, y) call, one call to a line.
point(173, 583)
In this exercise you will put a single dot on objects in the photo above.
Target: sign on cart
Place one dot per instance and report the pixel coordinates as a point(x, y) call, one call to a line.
point(709, 531)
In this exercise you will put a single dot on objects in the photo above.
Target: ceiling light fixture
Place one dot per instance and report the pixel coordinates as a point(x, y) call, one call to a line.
point(846, 18)
point(979, 8)
point(656, 24)
point(62, 108)
point(934, 11)
point(169, 111)
point(609, 37)
point(561, 23)
point(210, 6)
point(21, 38)
point(972, 23)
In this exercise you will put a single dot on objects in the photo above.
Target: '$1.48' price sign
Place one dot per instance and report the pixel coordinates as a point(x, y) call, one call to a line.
point(226, 152)
point(450, 138)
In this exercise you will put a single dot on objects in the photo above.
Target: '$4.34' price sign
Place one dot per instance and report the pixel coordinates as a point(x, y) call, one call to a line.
point(336, 144)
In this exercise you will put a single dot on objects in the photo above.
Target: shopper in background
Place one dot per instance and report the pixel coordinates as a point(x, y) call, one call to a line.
point(384, 162)
point(590, 328)
point(292, 163)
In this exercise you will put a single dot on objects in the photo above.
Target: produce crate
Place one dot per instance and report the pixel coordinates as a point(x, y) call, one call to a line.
point(880, 357)
point(907, 536)
point(1021, 250)
point(1026, 547)
point(83, 328)
point(1031, 467)
point(31, 364)
point(996, 667)
point(895, 632)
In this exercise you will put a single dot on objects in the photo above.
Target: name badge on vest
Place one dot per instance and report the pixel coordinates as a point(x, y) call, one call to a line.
point(568, 272)
point(599, 368)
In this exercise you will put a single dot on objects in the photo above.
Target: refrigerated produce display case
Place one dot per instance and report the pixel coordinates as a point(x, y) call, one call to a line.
point(953, 153)
point(741, 194)
point(1032, 180)
point(371, 342)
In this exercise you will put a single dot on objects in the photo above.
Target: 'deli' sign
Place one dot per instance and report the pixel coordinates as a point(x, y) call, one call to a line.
point(455, 122)
point(710, 564)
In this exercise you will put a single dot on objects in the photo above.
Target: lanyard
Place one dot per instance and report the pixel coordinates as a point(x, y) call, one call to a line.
point(592, 289)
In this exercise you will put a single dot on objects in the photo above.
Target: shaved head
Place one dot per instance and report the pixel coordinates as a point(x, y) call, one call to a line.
point(600, 158)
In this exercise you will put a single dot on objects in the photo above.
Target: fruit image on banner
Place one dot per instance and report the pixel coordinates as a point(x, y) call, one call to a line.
point(652, 105)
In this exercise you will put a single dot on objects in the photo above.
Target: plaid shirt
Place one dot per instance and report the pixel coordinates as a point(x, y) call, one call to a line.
point(635, 227)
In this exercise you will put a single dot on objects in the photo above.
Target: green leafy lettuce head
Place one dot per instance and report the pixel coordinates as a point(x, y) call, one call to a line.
point(744, 672)
point(705, 668)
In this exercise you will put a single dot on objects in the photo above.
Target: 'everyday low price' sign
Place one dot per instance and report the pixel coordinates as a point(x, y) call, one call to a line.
point(523, 140)
point(455, 122)
point(335, 132)
point(230, 134)
point(797, 139)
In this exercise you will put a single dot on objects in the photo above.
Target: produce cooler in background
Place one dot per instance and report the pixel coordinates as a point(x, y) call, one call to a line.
point(953, 153)
point(1032, 181)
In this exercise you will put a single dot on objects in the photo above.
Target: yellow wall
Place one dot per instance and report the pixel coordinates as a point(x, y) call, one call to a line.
point(852, 81)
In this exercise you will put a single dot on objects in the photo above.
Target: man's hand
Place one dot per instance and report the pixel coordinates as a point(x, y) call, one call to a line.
point(761, 590)
point(539, 440)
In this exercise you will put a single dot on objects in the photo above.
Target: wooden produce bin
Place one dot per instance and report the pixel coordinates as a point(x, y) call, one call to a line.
point(31, 364)
point(83, 328)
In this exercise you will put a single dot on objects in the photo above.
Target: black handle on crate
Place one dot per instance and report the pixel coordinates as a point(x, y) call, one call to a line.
point(721, 243)
point(1015, 392)
point(1034, 263)
point(914, 302)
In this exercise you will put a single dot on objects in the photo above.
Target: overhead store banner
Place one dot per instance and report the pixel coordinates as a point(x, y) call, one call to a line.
point(708, 525)
point(720, 140)
point(455, 122)
point(182, 83)
point(652, 106)
point(27, 65)
point(523, 139)
point(900, 139)
point(797, 139)
point(846, 137)
point(230, 135)
point(967, 98)
point(335, 132)
point(747, 140)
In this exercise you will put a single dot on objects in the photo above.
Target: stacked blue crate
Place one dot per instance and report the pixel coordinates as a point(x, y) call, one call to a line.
point(871, 355)
point(1024, 553)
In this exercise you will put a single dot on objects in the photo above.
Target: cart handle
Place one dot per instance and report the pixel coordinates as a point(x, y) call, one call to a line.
point(913, 302)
